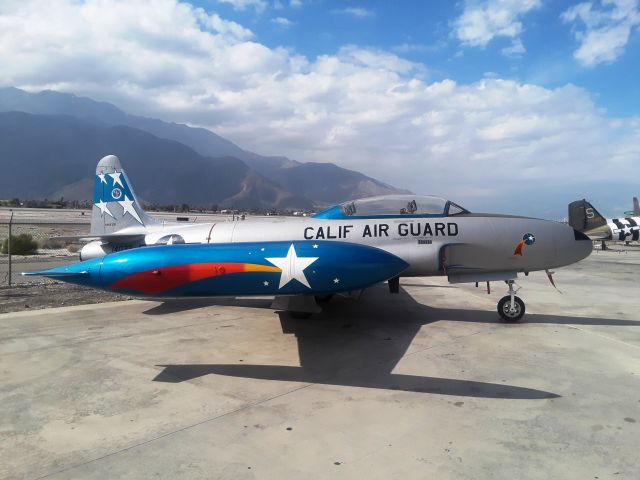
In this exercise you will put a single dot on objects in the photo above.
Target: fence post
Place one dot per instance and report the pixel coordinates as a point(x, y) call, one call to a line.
point(9, 245)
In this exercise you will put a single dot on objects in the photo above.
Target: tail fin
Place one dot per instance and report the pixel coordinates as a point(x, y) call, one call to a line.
point(115, 206)
point(584, 217)
point(636, 209)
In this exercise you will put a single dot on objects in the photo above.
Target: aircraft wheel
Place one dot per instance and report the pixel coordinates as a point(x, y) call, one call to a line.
point(504, 309)
point(300, 315)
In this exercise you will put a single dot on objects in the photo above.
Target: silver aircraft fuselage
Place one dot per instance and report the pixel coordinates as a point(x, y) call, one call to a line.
point(411, 236)
point(460, 245)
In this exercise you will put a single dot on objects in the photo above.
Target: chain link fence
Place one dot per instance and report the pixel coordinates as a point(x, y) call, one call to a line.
point(44, 224)
point(41, 225)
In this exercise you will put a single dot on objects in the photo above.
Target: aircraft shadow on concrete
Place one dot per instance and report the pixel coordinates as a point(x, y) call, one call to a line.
point(183, 304)
point(359, 343)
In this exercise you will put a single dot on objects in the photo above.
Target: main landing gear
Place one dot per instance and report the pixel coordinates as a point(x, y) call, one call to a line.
point(511, 308)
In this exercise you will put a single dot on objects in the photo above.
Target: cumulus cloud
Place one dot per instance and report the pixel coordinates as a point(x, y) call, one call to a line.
point(482, 21)
point(361, 108)
point(602, 29)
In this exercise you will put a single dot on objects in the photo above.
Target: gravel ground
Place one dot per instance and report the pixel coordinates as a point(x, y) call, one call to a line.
point(48, 294)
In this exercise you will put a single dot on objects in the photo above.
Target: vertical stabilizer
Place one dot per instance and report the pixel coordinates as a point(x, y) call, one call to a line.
point(115, 206)
point(584, 217)
point(636, 207)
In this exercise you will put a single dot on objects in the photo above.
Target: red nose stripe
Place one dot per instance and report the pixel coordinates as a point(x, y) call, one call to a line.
point(159, 280)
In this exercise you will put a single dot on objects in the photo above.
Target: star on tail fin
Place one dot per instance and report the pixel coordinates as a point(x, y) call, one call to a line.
point(115, 206)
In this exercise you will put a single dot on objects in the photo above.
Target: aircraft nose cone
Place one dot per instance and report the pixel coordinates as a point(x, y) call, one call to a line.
point(85, 273)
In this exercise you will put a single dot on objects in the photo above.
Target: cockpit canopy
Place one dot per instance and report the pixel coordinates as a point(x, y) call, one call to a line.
point(394, 205)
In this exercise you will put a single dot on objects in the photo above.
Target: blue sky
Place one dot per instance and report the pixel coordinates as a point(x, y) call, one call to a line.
point(424, 32)
point(508, 105)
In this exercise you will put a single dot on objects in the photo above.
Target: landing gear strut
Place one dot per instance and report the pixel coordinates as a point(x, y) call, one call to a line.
point(511, 308)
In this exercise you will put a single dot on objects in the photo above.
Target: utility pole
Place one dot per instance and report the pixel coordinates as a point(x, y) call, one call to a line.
point(9, 245)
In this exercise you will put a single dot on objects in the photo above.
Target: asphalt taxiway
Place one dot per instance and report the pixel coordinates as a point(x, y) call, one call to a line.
point(424, 384)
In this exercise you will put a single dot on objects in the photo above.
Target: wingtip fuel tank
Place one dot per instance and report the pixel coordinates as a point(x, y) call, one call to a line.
point(259, 268)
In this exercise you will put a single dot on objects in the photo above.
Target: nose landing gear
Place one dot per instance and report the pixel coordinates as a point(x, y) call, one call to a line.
point(511, 308)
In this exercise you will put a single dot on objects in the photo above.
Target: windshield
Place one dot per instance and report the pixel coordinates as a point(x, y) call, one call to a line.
point(414, 205)
point(400, 205)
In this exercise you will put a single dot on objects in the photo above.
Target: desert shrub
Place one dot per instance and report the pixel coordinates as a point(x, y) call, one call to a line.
point(22, 244)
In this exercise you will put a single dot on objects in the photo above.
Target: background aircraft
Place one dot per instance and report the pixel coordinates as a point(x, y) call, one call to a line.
point(344, 248)
point(636, 208)
point(585, 218)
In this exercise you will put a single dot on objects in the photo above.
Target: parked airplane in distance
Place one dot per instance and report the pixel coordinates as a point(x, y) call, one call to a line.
point(636, 208)
point(586, 219)
point(347, 247)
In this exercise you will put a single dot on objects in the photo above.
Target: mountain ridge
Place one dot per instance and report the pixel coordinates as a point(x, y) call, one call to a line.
point(321, 184)
point(43, 159)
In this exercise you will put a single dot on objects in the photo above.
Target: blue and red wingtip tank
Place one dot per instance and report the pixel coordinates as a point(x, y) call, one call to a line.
point(266, 268)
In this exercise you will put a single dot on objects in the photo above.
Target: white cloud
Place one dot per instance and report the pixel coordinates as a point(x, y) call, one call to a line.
point(281, 21)
point(482, 21)
point(516, 49)
point(259, 5)
point(358, 12)
point(602, 30)
point(224, 27)
point(365, 109)
point(377, 59)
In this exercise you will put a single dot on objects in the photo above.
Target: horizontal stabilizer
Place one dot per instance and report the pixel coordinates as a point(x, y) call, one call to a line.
point(112, 237)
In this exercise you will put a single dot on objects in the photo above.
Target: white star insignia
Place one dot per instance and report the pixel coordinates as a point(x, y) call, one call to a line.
point(292, 267)
point(265, 283)
point(128, 207)
point(626, 230)
point(262, 249)
point(336, 280)
point(116, 178)
point(102, 179)
point(315, 245)
point(103, 208)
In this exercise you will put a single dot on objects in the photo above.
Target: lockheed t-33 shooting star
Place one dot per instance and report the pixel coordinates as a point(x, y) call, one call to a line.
point(346, 248)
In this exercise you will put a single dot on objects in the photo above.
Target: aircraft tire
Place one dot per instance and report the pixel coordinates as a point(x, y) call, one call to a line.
point(505, 314)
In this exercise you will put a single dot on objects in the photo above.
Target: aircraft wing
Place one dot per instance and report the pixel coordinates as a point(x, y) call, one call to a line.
point(108, 237)
point(472, 277)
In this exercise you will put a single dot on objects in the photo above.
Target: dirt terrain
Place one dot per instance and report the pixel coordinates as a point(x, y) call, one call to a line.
point(47, 294)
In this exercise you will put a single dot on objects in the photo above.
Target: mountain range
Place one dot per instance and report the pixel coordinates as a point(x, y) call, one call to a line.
point(50, 143)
